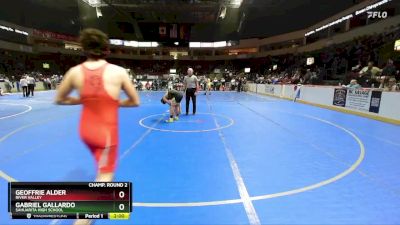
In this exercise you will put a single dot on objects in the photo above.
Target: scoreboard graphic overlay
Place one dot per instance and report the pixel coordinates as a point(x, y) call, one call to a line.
point(72, 200)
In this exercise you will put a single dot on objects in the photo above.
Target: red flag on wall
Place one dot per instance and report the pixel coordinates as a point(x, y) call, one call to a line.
point(162, 30)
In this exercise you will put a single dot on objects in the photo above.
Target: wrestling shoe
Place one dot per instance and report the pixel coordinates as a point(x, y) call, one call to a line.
point(170, 120)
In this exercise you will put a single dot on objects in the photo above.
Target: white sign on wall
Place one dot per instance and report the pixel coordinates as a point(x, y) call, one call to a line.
point(358, 99)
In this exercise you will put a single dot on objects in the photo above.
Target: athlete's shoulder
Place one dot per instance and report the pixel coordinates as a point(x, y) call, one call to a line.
point(117, 68)
point(73, 71)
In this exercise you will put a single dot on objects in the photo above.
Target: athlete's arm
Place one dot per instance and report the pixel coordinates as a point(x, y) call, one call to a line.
point(184, 84)
point(197, 85)
point(133, 98)
point(65, 89)
point(166, 99)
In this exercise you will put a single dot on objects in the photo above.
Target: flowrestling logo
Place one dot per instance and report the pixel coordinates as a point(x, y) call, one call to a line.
point(377, 14)
point(371, 14)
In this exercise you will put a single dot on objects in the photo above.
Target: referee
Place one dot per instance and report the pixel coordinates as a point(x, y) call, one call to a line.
point(31, 85)
point(191, 85)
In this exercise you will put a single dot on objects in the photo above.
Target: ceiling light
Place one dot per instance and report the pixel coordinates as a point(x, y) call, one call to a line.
point(93, 3)
point(98, 12)
point(222, 12)
point(236, 3)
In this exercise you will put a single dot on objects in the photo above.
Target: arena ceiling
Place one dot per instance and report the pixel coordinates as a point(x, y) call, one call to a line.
point(210, 20)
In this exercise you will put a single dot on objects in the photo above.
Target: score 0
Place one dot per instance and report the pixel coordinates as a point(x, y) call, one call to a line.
point(122, 199)
point(121, 195)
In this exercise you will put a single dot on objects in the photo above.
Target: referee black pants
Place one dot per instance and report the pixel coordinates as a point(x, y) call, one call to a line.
point(31, 88)
point(25, 91)
point(190, 93)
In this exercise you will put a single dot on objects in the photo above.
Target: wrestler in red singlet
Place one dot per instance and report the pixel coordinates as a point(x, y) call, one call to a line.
point(99, 120)
point(99, 84)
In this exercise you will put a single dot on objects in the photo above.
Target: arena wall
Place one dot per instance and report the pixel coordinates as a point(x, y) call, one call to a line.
point(371, 103)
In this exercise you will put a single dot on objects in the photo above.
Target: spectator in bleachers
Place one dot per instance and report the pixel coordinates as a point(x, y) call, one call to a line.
point(233, 84)
point(215, 84)
point(307, 77)
point(335, 62)
point(15, 81)
point(389, 70)
point(53, 82)
point(47, 83)
point(353, 84)
point(148, 86)
point(8, 85)
point(389, 84)
point(2, 93)
point(369, 74)
point(139, 85)
point(239, 84)
point(296, 77)
point(357, 67)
